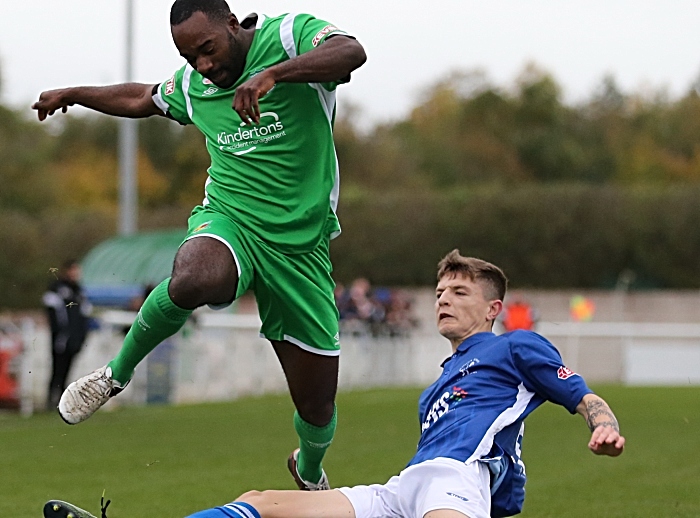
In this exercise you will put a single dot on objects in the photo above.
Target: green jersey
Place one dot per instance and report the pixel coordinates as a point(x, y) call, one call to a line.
point(279, 178)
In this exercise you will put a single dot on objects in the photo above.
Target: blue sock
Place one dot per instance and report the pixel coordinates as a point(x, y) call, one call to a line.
point(232, 510)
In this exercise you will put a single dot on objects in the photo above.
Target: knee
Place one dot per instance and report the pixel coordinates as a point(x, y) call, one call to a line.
point(316, 413)
point(250, 497)
point(194, 284)
point(186, 290)
point(261, 501)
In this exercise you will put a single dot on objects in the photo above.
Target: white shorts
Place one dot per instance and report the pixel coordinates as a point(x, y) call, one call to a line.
point(434, 484)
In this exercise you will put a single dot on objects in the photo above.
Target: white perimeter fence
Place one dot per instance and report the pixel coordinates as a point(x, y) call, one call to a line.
point(223, 358)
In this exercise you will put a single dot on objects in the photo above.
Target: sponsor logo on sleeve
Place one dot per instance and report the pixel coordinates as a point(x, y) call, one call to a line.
point(458, 496)
point(170, 86)
point(564, 373)
point(319, 36)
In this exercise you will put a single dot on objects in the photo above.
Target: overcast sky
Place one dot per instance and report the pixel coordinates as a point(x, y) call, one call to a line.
point(644, 44)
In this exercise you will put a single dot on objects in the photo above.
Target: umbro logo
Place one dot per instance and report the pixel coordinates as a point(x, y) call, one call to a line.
point(142, 322)
point(210, 91)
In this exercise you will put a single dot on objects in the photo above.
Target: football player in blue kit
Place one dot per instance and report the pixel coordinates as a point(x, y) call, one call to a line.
point(468, 461)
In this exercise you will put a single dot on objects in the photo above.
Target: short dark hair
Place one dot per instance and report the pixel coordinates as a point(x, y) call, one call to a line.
point(477, 270)
point(216, 10)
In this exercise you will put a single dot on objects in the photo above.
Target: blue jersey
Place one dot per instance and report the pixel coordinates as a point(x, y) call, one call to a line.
point(475, 410)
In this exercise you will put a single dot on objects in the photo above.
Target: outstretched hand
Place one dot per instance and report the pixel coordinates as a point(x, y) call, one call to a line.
point(49, 102)
point(245, 101)
point(606, 440)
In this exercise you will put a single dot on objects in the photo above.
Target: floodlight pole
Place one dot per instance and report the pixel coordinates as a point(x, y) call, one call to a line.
point(128, 144)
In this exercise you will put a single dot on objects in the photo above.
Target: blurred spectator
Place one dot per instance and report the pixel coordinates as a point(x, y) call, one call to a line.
point(519, 314)
point(581, 308)
point(399, 315)
point(10, 361)
point(136, 302)
point(68, 311)
point(379, 311)
point(342, 300)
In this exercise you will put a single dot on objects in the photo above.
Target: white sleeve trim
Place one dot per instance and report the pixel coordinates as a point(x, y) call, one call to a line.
point(159, 101)
point(337, 32)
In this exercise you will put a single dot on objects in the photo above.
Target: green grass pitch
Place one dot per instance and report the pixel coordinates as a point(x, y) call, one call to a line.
point(163, 462)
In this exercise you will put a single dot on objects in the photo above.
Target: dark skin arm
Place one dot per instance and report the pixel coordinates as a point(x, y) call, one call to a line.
point(132, 100)
point(335, 59)
point(605, 431)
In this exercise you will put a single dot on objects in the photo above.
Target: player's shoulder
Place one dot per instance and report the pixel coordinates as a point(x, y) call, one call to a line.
point(523, 338)
point(523, 335)
point(174, 83)
point(269, 24)
point(268, 29)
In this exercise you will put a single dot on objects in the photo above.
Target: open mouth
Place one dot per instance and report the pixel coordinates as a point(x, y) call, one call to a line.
point(442, 316)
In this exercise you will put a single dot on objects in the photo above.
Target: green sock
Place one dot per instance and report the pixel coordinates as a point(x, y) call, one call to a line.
point(313, 443)
point(158, 319)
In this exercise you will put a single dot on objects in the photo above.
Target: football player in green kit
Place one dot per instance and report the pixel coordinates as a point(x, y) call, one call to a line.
point(262, 91)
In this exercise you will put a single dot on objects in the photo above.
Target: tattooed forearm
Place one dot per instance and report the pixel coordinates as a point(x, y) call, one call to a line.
point(598, 413)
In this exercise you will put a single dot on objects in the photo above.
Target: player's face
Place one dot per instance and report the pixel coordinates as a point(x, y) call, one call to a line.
point(212, 48)
point(74, 273)
point(462, 308)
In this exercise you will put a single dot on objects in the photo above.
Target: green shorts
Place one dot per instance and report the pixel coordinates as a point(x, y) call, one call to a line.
point(294, 292)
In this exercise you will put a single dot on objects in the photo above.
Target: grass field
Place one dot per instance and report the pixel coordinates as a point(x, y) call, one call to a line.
point(162, 462)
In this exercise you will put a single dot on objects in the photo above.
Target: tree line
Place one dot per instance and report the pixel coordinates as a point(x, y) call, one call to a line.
point(560, 194)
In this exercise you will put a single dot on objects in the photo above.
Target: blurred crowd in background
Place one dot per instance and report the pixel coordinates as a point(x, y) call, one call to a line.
point(374, 311)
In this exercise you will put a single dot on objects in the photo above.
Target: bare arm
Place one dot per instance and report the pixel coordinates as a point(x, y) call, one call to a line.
point(605, 438)
point(335, 59)
point(131, 100)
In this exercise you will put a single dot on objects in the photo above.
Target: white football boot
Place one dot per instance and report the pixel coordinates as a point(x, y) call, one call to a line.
point(321, 485)
point(61, 509)
point(83, 397)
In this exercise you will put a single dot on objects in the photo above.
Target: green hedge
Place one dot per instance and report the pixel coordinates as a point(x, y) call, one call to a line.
point(543, 236)
point(553, 236)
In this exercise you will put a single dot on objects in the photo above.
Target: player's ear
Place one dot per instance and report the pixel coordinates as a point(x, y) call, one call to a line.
point(495, 308)
point(232, 23)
